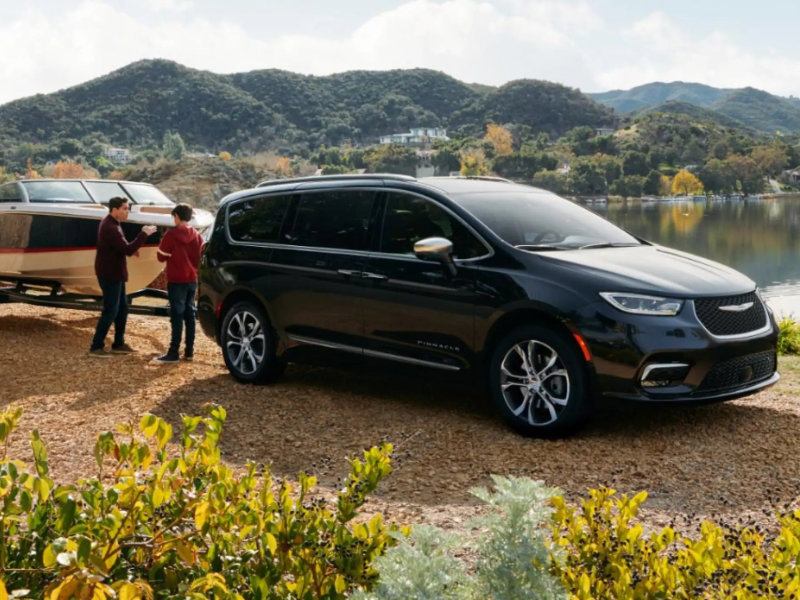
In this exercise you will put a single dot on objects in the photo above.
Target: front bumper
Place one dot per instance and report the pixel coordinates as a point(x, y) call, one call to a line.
point(625, 346)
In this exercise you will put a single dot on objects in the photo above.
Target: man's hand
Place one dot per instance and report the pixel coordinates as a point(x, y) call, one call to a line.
point(149, 229)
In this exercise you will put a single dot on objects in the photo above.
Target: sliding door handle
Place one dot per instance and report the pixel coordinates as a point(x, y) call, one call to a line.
point(373, 276)
point(349, 273)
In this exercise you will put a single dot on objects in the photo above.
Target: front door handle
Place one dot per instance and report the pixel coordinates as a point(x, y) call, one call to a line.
point(349, 273)
point(375, 276)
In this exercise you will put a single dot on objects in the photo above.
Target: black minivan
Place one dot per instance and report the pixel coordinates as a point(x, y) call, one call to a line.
point(552, 305)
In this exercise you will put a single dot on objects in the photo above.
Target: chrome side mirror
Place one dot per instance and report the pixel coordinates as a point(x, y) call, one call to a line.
point(437, 249)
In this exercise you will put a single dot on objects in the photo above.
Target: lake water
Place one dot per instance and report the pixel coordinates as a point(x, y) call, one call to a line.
point(757, 236)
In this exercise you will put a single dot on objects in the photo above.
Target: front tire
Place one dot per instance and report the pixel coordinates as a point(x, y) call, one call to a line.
point(248, 344)
point(538, 382)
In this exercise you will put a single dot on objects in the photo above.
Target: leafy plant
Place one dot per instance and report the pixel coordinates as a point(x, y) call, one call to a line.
point(788, 336)
point(607, 556)
point(183, 524)
point(513, 558)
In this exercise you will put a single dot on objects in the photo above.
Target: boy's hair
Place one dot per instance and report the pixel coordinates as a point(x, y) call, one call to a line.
point(116, 202)
point(184, 211)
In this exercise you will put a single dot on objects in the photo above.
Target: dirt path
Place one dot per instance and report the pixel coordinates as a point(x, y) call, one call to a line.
point(731, 461)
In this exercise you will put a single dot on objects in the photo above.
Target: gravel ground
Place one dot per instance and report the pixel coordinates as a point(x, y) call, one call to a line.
point(730, 462)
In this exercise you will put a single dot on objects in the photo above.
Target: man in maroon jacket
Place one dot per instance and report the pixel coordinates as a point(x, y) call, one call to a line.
point(180, 249)
point(111, 268)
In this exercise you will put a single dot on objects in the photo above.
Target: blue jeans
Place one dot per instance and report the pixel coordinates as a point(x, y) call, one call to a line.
point(182, 311)
point(115, 310)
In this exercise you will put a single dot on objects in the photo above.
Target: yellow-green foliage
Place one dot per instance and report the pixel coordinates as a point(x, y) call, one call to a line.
point(605, 555)
point(788, 336)
point(181, 525)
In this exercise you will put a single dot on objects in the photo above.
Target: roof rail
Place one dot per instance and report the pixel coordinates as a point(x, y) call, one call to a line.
point(338, 177)
point(483, 178)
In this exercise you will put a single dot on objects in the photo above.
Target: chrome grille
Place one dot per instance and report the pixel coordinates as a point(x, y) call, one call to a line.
point(739, 371)
point(722, 322)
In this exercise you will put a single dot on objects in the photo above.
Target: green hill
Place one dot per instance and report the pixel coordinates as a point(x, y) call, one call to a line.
point(755, 109)
point(272, 109)
point(761, 110)
point(651, 94)
point(697, 113)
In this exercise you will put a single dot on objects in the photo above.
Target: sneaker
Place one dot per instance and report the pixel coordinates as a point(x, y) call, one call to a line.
point(99, 353)
point(188, 357)
point(167, 358)
point(122, 349)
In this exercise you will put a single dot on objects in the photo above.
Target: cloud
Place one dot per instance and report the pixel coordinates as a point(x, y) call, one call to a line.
point(43, 49)
point(665, 52)
point(171, 6)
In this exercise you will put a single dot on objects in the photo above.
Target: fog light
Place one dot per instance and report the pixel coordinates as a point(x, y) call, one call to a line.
point(664, 374)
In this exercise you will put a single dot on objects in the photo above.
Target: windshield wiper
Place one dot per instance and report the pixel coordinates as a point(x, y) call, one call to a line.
point(540, 247)
point(608, 245)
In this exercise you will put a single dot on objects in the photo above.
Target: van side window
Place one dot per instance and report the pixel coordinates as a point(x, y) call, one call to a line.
point(333, 219)
point(412, 218)
point(258, 219)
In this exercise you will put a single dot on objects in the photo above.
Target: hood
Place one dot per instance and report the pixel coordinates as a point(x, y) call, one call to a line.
point(656, 269)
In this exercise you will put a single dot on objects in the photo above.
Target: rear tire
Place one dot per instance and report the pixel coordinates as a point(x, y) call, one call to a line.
point(248, 344)
point(538, 382)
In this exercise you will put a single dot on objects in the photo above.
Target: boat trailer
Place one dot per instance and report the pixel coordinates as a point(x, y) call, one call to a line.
point(49, 293)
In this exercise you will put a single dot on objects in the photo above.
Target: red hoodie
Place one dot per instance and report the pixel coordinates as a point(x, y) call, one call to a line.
point(180, 249)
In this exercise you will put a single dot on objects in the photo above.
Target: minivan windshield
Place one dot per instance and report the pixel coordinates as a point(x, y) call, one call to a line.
point(542, 221)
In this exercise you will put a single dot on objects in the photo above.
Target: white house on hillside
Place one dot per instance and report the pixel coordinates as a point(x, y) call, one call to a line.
point(417, 135)
point(118, 156)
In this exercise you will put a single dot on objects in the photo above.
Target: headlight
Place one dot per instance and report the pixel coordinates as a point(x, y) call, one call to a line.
point(639, 304)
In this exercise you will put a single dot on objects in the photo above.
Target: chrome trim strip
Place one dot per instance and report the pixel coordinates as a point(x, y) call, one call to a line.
point(409, 360)
point(372, 353)
point(324, 344)
point(737, 336)
point(649, 368)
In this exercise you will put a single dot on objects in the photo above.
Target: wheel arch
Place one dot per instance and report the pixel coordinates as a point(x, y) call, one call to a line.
point(236, 296)
point(530, 316)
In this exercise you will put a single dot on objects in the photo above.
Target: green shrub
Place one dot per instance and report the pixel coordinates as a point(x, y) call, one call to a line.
point(606, 556)
point(182, 525)
point(512, 562)
point(788, 336)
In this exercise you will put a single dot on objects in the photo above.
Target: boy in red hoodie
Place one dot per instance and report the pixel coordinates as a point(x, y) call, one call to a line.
point(180, 249)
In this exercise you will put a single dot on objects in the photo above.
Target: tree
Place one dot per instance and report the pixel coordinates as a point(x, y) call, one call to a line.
point(770, 159)
point(634, 163)
point(629, 186)
point(500, 139)
point(391, 158)
point(473, 162)
point(173, 147)
point(586, 177)
point(283, 166)
point(717, 176)
point(652, 184)
point(68, 170)
point(686, 183)
point(30, 172)
point(746, 172)
point(551, 180)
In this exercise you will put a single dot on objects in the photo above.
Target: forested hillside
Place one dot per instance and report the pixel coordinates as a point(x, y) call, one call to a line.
point(137, 105)
point(747, 107)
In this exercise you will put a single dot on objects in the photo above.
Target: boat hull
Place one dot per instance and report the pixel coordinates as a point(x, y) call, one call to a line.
point(56, 245)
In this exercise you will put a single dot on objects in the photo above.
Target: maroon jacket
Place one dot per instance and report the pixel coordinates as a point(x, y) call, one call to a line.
point(180, 249)
point(113, 250)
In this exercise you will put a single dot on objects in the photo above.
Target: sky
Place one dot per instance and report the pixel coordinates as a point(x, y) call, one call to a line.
point(595, 46)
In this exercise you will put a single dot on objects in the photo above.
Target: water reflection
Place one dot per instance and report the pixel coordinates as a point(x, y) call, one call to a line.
point(757, 236)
